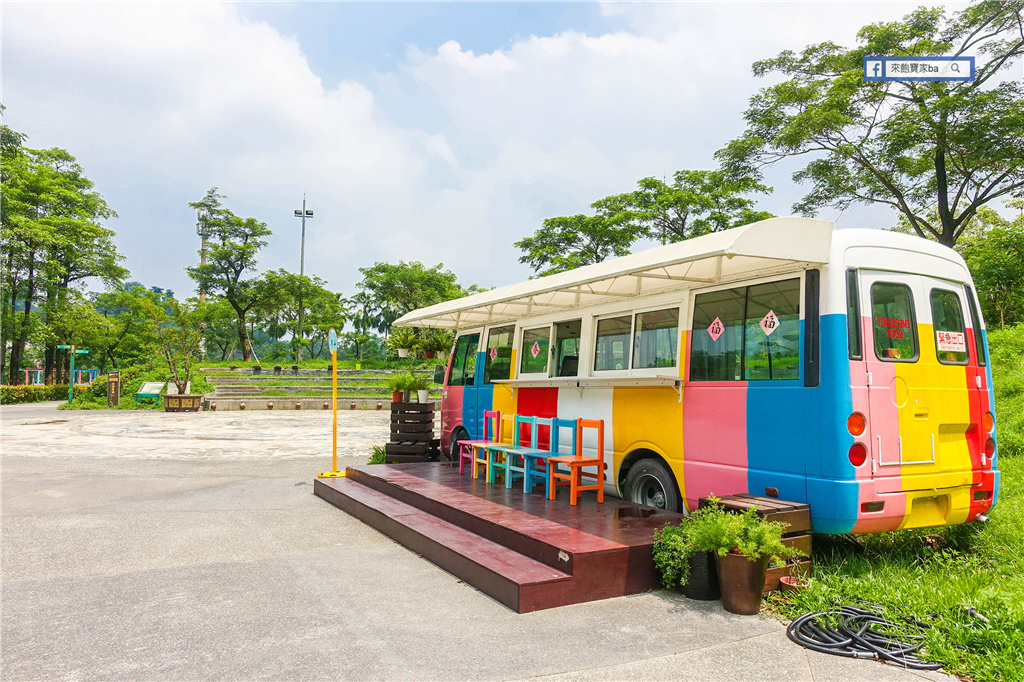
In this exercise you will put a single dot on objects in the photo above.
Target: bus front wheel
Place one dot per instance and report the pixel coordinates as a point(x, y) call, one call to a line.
point(650, 483)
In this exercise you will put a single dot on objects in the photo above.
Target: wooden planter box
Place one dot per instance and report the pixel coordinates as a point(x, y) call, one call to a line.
point(796, 516)
point(412, 434)
point(182, 403)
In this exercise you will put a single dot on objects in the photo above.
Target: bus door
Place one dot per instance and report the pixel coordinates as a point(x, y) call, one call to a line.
point(890, 302)
point(917, 356)
point(459, 404)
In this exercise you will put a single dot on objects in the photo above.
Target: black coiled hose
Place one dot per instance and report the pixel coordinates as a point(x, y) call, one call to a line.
point(858, 636)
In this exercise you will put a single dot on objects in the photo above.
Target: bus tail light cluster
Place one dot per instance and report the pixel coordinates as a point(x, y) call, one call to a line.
point(856, 424)
point(858, 454)
point(988, 422)
point(990, 447)
point(872, 506)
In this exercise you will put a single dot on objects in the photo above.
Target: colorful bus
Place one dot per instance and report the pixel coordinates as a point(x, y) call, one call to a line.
point(846, 369)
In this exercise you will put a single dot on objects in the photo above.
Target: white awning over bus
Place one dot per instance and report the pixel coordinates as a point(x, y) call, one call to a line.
point(748, 251)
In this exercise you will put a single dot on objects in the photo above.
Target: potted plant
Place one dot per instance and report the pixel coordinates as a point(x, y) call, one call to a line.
point(742, 544)
point(397, 385)
point(177, 337)
point(435, 342)
point(402, 340)
point(422, 388)
point(683, 566)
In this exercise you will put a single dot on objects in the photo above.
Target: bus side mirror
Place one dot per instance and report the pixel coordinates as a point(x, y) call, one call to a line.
point(438, 374)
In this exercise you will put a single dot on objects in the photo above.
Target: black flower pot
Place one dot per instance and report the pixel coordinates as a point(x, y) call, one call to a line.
point(703, 581)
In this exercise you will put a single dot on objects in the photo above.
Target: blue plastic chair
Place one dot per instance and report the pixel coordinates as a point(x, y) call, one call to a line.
point(522, 460)
point(502, 456)
point(538, 459)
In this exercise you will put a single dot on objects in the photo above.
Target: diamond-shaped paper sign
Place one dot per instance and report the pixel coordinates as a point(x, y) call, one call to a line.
point(494, 354)
point(769, 323)
point(535, 349)
point(716, 329)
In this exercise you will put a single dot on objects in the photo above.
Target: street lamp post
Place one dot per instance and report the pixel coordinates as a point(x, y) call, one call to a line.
point(302, 215)
point(203, 230)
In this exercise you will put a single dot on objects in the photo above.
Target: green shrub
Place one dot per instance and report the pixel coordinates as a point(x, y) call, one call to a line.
point(1006, 348)
point(13, 395)
point(377, 457)
point(713, 529)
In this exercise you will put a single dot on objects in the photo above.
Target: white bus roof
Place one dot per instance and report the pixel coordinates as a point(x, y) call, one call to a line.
point(750, 250)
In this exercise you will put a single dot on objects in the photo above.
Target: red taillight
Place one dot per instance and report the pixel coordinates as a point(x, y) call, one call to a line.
point(988, 422)
point(858, 454)
point(855, 423)
point(990, 447)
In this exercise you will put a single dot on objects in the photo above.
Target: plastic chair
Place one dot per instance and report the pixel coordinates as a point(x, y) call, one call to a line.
point(468, 447)
point(535, 463)
point(502, 456)
point(576, 463)
point(504, 435)
point(522, 460)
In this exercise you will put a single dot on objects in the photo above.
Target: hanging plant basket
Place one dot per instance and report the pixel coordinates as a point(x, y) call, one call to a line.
point(403, 352)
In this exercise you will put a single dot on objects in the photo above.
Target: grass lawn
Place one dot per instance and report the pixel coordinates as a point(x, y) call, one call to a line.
point(932, 575)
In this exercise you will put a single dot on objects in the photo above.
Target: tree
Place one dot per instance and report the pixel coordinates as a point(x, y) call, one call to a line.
point(995, 257)
point(909, 145)
point(177, 337)
point(220, 327)
point(51, 239)
point(569, 242)
point(232, 248)
point(119, 329)
point(697, 202)
point(394, 290)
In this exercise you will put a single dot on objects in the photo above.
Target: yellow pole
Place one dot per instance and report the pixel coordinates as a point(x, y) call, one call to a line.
point(334, 473)
point(334, 401)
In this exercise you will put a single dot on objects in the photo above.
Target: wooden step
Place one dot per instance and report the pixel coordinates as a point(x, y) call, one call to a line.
point(515, 580)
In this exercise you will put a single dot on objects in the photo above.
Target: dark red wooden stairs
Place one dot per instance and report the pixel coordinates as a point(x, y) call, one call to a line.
point(525, 551)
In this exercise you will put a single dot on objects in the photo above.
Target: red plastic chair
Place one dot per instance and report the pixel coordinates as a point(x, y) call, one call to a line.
point(467, 448)
point(576, 463)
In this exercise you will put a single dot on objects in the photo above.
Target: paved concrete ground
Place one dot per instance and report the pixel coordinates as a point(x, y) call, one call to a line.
point(152, 546)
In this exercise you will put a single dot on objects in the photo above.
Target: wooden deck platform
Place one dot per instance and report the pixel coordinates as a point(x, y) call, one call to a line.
point(525, 551)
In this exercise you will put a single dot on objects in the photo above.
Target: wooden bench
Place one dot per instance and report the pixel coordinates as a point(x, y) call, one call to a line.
point(796, 534)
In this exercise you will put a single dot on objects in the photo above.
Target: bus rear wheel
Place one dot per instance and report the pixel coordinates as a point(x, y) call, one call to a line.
point(453, 444)
point(651, 484)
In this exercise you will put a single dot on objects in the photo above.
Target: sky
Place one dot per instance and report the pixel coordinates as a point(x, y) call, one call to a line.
point(432, 132)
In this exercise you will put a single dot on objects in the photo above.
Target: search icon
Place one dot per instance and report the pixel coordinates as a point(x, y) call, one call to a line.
point(954, 67)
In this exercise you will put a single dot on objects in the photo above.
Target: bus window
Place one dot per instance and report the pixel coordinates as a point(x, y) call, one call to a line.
point(771, 348)
point(535, 351)
point(893, 322)
point(612, 344)
point(979, 342)
point(464, 361)
point(853, 315)
point(656, 338)
point(567, 348)
point(718, 336)
point(948, 322)
point(498, 359)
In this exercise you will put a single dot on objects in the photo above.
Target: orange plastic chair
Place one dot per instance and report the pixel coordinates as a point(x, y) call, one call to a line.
point(576, 463)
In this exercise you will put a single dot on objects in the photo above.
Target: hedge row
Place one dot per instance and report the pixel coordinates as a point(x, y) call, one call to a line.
point(12, 395)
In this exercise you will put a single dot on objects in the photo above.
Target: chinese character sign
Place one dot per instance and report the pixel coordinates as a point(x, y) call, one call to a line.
point(716, 329)
point(769, 323)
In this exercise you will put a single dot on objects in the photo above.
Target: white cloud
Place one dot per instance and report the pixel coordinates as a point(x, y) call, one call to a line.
point(162, 101)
